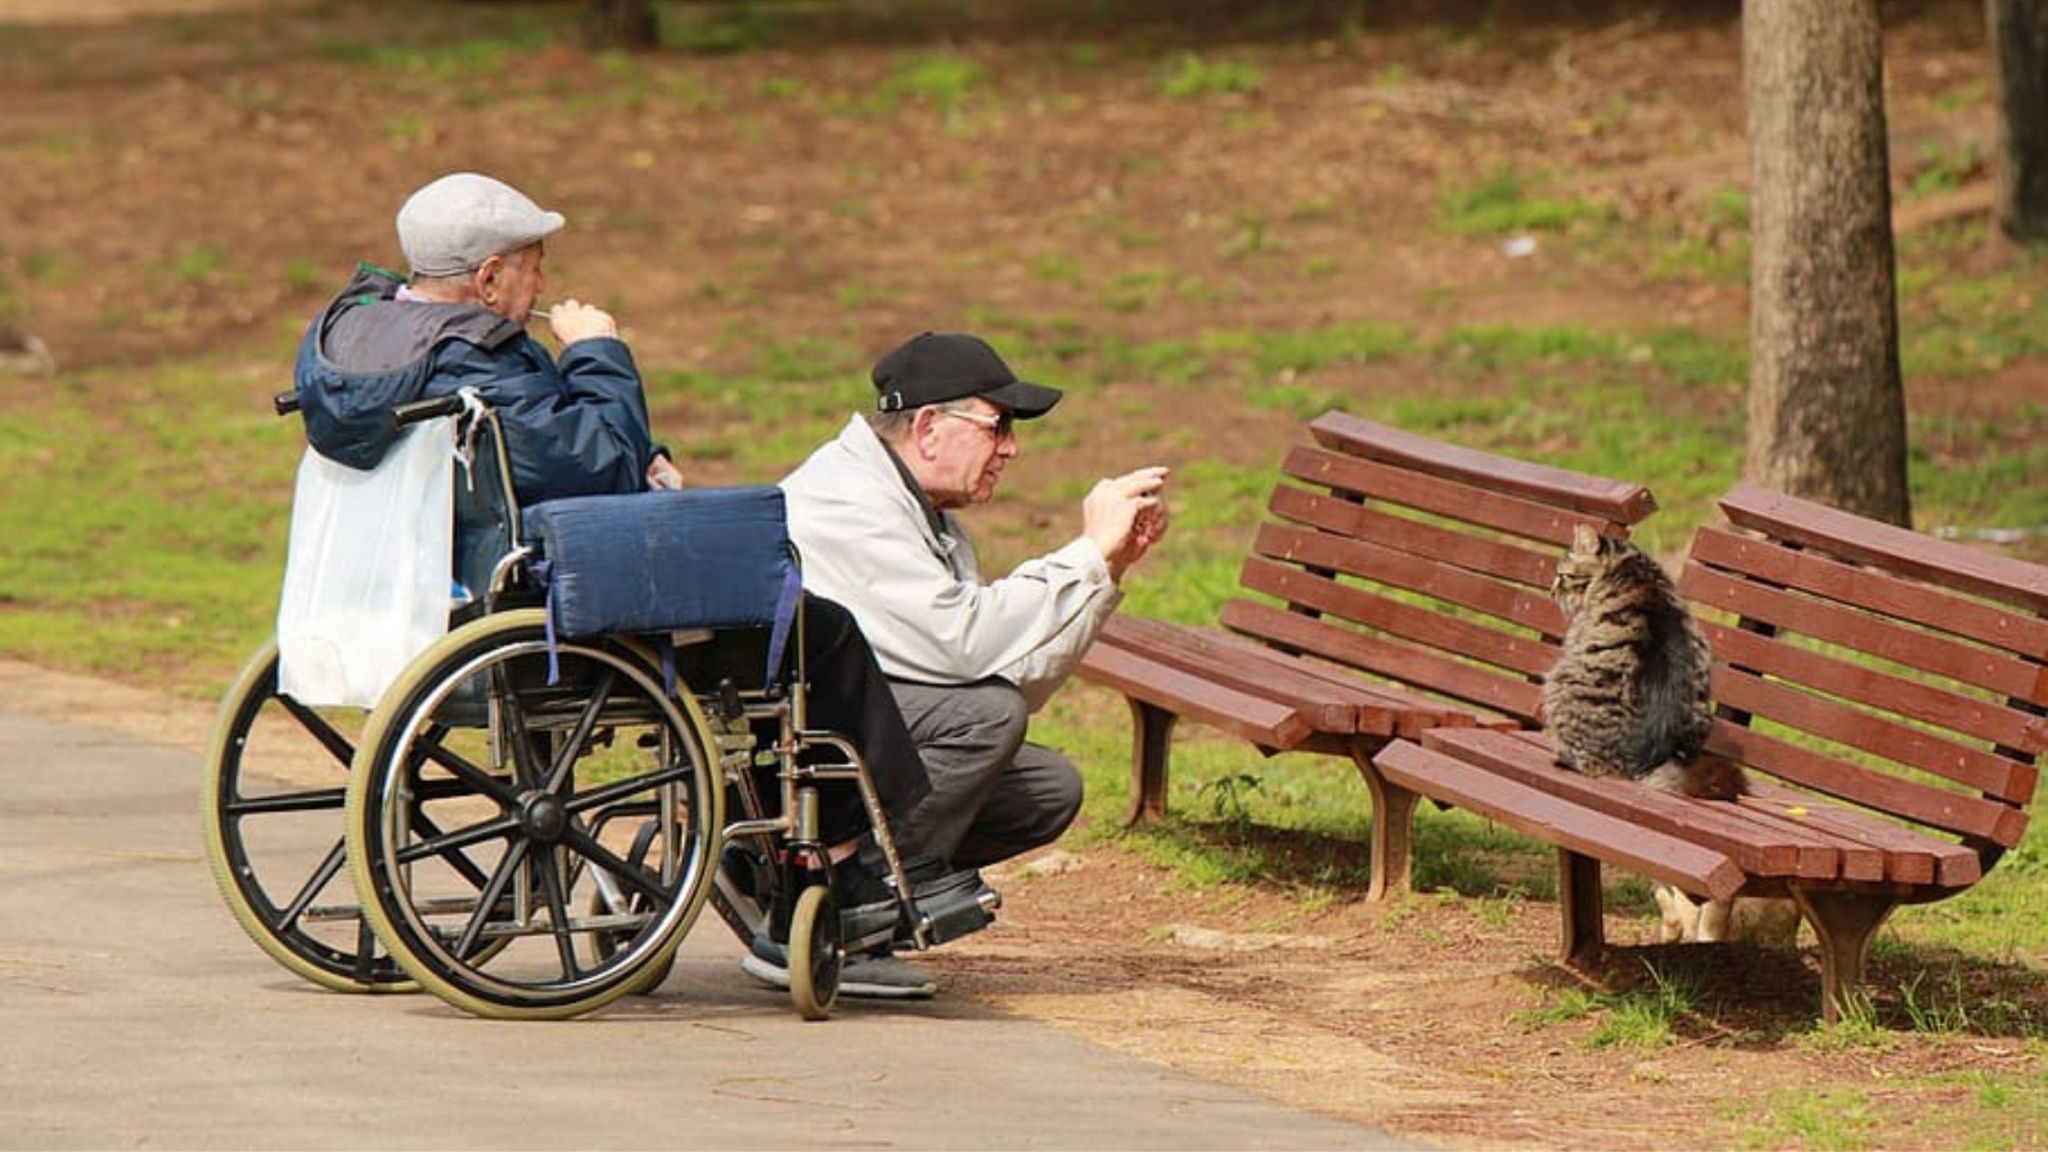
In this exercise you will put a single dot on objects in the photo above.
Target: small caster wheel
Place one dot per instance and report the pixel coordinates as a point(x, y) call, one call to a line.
point(814, 954)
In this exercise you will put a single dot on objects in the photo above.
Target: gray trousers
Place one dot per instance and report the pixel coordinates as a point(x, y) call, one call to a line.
point(993, 795)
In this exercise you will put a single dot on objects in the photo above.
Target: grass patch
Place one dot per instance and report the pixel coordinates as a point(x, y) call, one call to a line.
point(1192, 75)
point(1503, 203)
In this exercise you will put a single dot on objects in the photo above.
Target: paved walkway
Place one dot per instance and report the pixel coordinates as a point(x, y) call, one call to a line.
point(134, 1013)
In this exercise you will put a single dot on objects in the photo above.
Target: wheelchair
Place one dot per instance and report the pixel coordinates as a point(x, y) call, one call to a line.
point(533, 815)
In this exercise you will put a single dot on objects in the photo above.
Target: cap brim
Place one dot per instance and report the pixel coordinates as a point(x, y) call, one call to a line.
point(1025, 401)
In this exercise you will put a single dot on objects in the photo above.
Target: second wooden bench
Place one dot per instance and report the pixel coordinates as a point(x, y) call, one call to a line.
point(1886, 692)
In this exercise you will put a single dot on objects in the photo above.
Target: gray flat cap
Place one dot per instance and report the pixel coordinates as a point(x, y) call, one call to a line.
point(463, 219)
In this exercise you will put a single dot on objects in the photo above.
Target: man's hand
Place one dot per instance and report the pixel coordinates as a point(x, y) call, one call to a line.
point(573, 320)
point(662, 473)
point(1125, 515)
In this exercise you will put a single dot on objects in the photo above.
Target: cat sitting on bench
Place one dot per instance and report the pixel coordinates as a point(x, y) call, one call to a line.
point(1628, 695)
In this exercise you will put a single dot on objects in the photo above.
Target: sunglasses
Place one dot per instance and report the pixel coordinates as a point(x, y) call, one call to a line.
point(1003, 427)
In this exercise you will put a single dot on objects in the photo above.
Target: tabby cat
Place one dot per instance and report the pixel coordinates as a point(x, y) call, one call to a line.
point(1628, 695)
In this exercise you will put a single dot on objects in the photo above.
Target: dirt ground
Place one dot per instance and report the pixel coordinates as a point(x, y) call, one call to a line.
point(187, 167)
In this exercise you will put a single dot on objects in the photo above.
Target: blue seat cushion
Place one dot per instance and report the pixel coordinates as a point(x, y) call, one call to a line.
point(662, 560)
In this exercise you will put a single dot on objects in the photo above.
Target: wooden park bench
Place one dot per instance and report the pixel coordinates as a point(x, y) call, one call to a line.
point(1885, 692)
point(1401, 585)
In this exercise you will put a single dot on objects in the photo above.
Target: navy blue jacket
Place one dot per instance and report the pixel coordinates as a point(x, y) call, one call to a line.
point(576, 427)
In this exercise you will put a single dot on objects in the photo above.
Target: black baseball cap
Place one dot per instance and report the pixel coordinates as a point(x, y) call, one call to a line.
point(934, 367)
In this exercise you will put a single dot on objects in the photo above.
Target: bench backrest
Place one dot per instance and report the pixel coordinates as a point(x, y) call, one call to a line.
point(1877, 665)
point(1422, 562)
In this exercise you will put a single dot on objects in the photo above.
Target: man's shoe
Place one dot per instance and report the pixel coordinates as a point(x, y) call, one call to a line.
point(868, 975)
point(767, 962)
point(886, 976)
point(743, 880)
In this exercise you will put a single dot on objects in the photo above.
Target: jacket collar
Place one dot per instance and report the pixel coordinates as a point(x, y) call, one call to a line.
point(875, 453)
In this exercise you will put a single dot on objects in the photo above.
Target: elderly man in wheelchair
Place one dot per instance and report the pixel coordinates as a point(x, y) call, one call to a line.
point(628, 710)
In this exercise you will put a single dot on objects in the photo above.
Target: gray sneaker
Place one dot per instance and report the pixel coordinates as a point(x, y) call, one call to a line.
point(886, 976)
point(868, 975)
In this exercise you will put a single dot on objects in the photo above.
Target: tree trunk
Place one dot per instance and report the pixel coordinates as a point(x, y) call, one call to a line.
point(2018, 31)
point(1827, 406)
point(621, 24)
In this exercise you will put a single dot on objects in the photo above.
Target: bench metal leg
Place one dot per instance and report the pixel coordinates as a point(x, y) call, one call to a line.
point(1393, 829)
point(1151, 741)
point(1581, 901)
point(1844, 923)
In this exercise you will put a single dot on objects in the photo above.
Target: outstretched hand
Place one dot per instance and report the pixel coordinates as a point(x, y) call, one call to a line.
point(1125, 516)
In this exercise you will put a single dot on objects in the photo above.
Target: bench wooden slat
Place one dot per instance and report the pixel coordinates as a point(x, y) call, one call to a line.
point(1254, 718)
point(1875, 733)
point(1911, 856)
point(1416, 623)
point(1518, 566)
point(1876, 636)
point(1448, 498)
point(1380, 708)
point(1559, 821)
point(1413, 713)
point(1871, 589)
point(1970, 716)
point(1870, 848)
point(1424, 573)
point(1900, 550)
point(1412, 665)
point(1325, 706)
point(1614, 500)
point(1759, 844)
point(1921, 803)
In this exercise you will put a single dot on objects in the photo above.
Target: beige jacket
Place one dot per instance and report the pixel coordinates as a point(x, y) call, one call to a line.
point(918, 593)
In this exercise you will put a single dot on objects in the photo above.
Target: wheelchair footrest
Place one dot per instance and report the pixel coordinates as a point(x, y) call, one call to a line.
point(959, 907)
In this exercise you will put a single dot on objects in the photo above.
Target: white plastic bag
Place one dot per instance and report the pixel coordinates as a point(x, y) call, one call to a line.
point(367, 577)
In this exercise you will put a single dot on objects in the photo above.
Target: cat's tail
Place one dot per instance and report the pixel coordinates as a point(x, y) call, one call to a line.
point(1705, 776)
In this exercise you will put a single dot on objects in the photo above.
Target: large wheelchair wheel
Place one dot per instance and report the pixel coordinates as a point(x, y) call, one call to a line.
point(492, 813)
point(272, 807)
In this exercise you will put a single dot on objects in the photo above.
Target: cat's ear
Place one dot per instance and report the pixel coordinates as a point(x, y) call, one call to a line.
point(1586, 539)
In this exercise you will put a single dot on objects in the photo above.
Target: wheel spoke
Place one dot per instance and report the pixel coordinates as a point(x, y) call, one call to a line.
point(479, 779)
point(488, 899)
point(526, 760)
point(621, 870)
point(565, 760)
point(558, 914)
point(315, 883)
point(454, 857)
point(337, 745)
point(314, 801)
point(449, 843)
point(599, 797)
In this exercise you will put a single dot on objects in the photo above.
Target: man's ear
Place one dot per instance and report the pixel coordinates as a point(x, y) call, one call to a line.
point(921, 427)
point(484, 281)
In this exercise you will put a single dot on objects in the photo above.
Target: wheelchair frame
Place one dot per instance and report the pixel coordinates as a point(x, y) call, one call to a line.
point(521, 846)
